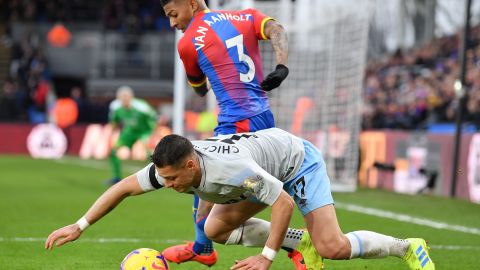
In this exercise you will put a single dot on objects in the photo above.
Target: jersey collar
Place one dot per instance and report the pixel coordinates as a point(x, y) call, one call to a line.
point(200, 13)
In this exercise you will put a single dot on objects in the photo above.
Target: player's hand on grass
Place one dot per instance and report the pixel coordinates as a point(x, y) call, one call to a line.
point(275, 78)
point(63, 235)
point(257, 262)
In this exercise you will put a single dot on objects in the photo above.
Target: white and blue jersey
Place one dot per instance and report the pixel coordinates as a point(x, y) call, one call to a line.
point(255, 166)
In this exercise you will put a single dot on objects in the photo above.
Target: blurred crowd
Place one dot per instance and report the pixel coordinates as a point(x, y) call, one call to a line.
point(415, 89)
point(27, 92)
point(411, 89)
point(121, 15)
point(134, 16)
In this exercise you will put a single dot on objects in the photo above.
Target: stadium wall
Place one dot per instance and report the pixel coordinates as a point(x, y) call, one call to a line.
point(14, 138)
point(402, 157)
point(406, 161)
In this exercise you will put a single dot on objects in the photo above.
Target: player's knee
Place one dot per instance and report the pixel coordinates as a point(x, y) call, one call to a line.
point(333, 248)
point(113, 152)
point(330, 252)
point(214, 234)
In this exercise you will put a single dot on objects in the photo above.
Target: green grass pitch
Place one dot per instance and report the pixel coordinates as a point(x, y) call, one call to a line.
point(38, 196)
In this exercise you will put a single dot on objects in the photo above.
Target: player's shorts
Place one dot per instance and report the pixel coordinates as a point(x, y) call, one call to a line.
point(258, 122)
point(310, 187)
point(261, 121)
point(128, 139)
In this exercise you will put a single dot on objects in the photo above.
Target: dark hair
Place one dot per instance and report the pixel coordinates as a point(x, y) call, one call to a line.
point(164, 2)
point(171, 151)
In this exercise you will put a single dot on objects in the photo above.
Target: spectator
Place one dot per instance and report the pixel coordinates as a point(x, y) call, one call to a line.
point(11, 101)
point(413, 89)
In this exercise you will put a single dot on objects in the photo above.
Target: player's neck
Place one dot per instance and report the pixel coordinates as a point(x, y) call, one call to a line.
point(197, 178)
point(201, 8)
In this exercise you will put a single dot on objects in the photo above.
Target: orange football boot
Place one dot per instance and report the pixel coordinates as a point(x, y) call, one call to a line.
point(184, 253)
point(297, 260)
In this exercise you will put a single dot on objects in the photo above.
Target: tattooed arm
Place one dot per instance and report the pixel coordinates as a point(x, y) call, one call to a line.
point(278, 36)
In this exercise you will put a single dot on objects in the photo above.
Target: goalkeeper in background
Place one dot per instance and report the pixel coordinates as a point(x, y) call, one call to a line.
point(219, 50)
point(137, 121)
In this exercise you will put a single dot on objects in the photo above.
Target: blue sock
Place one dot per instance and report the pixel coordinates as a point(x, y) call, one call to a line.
point(202, 244)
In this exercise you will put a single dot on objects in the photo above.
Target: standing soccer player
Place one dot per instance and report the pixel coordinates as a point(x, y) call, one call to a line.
point(135, 118)
point(220, 49)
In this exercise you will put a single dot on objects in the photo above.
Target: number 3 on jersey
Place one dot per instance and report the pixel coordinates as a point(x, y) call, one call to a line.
point(237, 41)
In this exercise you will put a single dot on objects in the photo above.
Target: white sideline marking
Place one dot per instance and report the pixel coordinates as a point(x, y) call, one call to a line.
point(93, 240)
point(175, 241)
point(406, 218)
point(454, 247)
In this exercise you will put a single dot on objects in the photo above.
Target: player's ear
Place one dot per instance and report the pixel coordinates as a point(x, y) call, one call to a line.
point(193, 4)
point(190, 164)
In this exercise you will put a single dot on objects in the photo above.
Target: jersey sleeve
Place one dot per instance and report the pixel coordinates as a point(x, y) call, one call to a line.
point(144, 108)
point(148, 179)
point(259, 20)
point(189, 57)
point(112, 113)
point(151, 113)
point(264, 187)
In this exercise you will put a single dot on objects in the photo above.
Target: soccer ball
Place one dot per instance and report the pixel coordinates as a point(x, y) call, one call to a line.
point(144, 259)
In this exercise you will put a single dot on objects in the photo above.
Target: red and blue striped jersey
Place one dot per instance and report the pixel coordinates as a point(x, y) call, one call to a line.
point(223, 47)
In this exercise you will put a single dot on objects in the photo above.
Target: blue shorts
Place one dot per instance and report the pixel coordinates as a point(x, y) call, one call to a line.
point(258, 122)
point(310, 187)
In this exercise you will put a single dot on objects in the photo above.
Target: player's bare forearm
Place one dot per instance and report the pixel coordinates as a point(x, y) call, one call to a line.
point(112, 197)
point(282, 211)
point(104, 204)
point(279, 39)
point(63, 235)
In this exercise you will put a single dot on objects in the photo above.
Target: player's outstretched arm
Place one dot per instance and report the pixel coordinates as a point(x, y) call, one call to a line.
point(63, 235)
point(282, 211)
point(104, 204)
point(278, 37)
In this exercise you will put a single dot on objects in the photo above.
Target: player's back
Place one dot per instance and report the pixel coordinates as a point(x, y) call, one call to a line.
point(276, 151)
point(223, 45)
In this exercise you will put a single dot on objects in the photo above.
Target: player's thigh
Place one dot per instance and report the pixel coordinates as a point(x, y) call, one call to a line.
point(144, 137)
point(225, 218)
point(126, 139)
point(311, 191)
point(310, 187)
point(327, 237)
